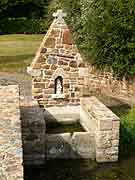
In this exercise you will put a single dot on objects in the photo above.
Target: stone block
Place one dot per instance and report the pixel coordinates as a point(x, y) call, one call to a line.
point(44, 50)
point(48, 72)
point(48, 91)
point(112, 151)
point(83, 145)
point(66, 46)
point(105, 124)
point(60, 62)
point(116, 125)
point(66, 85)
point(83, 71)
point(50, 43)
point(103, 139)
point(54, 67)
point(39, 85)
point(46, 66)
point(81, 65)
point(115, 134)
point(66, 68)
point(67, 38)
point(34, 72)
point(73, 64)
point(55, 33)
point(58, 145)
point(37, 65)
point(115, 143)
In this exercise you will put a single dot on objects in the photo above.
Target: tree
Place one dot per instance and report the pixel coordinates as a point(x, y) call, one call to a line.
point(104, 31)
point(110, 26)
point(23, 8)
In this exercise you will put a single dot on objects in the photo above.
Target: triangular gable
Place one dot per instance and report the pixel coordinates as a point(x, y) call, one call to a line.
point(57, 42)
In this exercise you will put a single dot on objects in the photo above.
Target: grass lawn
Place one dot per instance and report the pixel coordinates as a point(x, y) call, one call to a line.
point(17, 51)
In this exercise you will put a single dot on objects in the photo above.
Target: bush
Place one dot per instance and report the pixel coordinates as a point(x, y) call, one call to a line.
point(23, 25)
point(127, 138)
point(104, 31)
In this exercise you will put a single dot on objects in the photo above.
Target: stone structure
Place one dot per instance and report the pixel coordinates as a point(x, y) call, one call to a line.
point(70, 146)
point(58, 76)
point(11, 156)
point(104, 82)
point(105, 125)
point(99, 141)
point(33, 132)
point(57, 71)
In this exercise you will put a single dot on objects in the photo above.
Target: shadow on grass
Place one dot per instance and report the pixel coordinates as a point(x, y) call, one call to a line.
point(15, 59)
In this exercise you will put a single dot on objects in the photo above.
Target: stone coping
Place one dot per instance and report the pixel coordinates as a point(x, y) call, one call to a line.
point(97, 109)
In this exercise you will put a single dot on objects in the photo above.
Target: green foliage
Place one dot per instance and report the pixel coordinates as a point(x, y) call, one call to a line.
point(104, 31)
point(127, 139)
point(23, 16)
point(23, 8)
point(22, 25)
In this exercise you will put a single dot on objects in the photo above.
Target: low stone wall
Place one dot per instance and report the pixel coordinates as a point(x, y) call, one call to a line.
point(105, 82)
point(33, 132)
point(10, 134)
point(106, 126)
point(86, 119)
point(67, 145)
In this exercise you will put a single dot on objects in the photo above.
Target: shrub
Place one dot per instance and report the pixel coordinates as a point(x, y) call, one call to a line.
point(104, 31)
point(127, 138)
point(23, 25)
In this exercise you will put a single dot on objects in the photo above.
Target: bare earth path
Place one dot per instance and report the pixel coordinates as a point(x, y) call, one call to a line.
point(22, 79)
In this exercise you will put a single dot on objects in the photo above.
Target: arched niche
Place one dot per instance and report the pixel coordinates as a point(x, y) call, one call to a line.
point(58, 85)
point(58, 72)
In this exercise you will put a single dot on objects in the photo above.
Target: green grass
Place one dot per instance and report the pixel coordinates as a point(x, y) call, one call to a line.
point(17, 51)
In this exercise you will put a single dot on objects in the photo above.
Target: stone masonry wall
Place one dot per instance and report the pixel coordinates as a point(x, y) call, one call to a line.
point(104, 82)
point(57, 57)
point(70, 146)
point(33, 132)
point(107, 129)
point(10, 134)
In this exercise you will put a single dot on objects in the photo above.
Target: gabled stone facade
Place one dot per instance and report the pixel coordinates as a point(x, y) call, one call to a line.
point(57, 59)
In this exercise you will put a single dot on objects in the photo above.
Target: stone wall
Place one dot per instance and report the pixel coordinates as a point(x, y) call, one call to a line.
point(10, 134)
point(104, 82)
point(33, 132)
point(57, 57)
point(70, 146)
point(106, 128)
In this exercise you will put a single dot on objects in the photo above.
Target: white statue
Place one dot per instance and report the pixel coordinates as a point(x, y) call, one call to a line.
point(58, 87)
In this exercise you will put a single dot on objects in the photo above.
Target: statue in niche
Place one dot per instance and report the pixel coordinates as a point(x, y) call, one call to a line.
point(58, 86)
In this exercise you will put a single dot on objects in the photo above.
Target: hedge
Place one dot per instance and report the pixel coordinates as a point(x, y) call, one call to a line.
point(23, 26)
